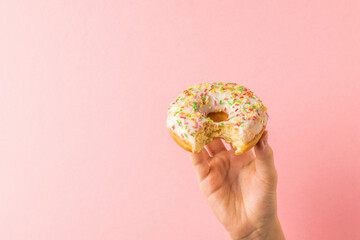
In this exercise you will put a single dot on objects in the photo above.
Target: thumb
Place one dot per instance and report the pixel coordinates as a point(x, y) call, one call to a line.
point(264, 158)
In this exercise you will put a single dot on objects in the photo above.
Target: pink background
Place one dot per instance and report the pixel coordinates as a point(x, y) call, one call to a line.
point(84, 90)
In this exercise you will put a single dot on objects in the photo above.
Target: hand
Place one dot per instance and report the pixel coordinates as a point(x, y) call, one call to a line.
point(240, 189)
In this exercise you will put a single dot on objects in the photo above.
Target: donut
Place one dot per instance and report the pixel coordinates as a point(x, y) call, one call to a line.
point(217, 110)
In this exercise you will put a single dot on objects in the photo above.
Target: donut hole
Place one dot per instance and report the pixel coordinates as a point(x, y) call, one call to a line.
point(218, 116)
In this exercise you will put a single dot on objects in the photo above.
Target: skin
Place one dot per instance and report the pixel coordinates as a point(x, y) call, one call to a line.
point(240, 189)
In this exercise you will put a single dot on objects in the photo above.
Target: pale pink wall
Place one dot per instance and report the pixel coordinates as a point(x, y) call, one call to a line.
point(84, 90)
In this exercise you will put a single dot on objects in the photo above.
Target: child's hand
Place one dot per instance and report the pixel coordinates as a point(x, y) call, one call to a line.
point(240, 189)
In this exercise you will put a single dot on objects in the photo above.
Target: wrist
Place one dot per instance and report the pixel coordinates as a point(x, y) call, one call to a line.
point(273, 232)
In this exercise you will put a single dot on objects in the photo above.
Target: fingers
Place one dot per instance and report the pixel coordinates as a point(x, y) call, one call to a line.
point(242, 157)
point(216, 146)
point(200, 163)
point(264, 159)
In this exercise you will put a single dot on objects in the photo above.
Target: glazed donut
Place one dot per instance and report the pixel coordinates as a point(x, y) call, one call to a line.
point(217, 110)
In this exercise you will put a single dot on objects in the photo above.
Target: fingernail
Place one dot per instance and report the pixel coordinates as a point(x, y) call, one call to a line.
point(265, 139)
